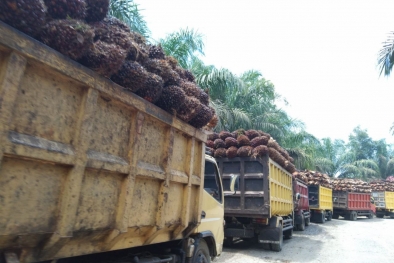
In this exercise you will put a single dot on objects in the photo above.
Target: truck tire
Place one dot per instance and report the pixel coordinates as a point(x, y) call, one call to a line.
point(201, 254)
point(379, 215)
point(266, 246)
point(322, 218)
point(288, 234)
point(301, 227)
point(353, 216)
point(335, 216)
point(307, 221)
point(370, 216)
point(329, 216)
point(278, 247)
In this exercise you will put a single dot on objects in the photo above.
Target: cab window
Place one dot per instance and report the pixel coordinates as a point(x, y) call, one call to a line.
point(212, 181)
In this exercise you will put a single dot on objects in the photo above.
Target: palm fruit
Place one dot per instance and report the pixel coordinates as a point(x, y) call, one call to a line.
point(189, 76)
point(189, 109)
point(210, 151)
point(276, 156)
point(174, 65)
point(156, 51)
point(213, 136)
point(239, 132)
point(219, 143)
point(204, 98)
point(245, 151)
point(70, 37)
point(230, 141)
point(152, 89)
point(291, 159)
point(164, 70)
point(212, 122)
point(96, 10)
point(138, 52)
point(106, 59)
point(265, 134)
point(290, 167)
point(252, 134)
point(260, 151)
point(202, 117)
point(61, 9)
point(190, 88)
point(232, 152)
point(138, 38)
point(113, 31)
point(284, 153)
point(27, 16)
point(179, 70)
point(171, 99)
point(131, 76)
point(224, 134)
point(220, 153)
point(210, 144)
point(243, 140)
point(272, 143)
point(261, 140)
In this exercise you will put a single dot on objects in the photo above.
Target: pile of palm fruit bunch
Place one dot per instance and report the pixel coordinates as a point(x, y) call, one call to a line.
point(83, 31)
point(381, 185)
point(351, 185)
point(248, 143)
point(313, 178)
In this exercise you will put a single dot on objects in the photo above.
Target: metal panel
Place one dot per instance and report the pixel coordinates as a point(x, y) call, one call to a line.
point(302, 189)
point(379, 198)
point(320, 197)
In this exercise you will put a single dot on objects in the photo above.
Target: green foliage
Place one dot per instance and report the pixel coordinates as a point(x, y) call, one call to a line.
point(386, 55)
point(128, 12)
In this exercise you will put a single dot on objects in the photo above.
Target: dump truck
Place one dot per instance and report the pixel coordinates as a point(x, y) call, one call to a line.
point(260, 207)
point(384, 202)
point(320, 203)
point(302, 214)
point(351, 205)
point(92, 173)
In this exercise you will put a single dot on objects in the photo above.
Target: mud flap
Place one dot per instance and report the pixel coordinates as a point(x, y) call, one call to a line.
point(273, 232)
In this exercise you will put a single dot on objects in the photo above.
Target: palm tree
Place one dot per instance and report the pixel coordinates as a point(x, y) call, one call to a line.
point(128, 12)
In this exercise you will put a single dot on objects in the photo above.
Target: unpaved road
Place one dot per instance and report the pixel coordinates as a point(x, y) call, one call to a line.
point(364, 240)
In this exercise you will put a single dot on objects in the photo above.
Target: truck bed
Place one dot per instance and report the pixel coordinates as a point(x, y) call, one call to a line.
point(384, 200)
point(351, 201)
point(85, 166)
point(265, 188)
point(320, 197)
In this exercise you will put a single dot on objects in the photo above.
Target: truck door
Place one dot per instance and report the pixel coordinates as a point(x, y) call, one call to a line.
point(212, 215)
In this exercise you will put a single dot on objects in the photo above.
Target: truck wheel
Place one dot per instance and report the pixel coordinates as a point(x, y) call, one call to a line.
point(370, 216)
point(329, 216)
point(335, 216)
point(379, 215)
point(307, 221)
point(288, 234)
point(278, 247)
point(353, 216)
point(322, 218)
point(301, 227)
point(266, 246)
point(201, 254)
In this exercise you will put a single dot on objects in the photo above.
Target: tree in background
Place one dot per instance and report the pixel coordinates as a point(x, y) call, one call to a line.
point(128, 12)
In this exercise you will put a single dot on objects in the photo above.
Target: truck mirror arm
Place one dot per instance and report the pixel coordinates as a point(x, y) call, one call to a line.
point(234, 179)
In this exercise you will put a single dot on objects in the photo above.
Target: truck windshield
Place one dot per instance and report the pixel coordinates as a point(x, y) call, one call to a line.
point(211, 181)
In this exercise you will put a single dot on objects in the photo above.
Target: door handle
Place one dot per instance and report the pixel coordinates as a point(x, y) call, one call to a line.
point(203, 214)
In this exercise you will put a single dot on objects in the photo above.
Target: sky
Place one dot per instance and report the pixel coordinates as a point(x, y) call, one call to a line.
point(320, 55)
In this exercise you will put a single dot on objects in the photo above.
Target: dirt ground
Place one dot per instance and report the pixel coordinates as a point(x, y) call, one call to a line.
point(364, 240)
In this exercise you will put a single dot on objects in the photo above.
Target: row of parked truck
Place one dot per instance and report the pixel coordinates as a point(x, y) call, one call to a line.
point(90, 173)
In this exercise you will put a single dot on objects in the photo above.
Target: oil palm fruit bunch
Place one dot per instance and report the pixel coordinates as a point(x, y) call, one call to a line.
point(131, 76)
point(212, 122)
point(27, 16)
point(219, 143)
point(232, 152)
point(61, 9)
point(189, 76)
point(190, 88)
point(204, 98)
point(231, 142)
point(252, 134)
point(244, 151)
point(138, 52)
point(243, 140)
point(104, 58)
point(210, 144)
point(276, 156)
point(152, 89)
point(202, 117)
point(213, 136)
point(224, 134)
point(189, 109)
point(96, 10)
point(164, 70)
point(260, 151)
point(265, 134)
point(113, 31)
point(174, 65)
point(156, 51)
point(171, 99)
point(260, 140)
point(70, 37)
point(220, 153)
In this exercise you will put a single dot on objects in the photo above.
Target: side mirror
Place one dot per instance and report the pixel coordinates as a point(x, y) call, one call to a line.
point(372, 200)
point(234, 183)
point(298, 196)
point(335, 199)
